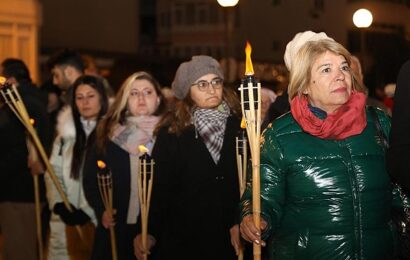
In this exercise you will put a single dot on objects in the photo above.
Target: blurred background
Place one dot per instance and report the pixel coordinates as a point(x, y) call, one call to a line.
point(121, 37)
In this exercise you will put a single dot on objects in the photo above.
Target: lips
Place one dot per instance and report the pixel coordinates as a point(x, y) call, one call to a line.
point(340, 90)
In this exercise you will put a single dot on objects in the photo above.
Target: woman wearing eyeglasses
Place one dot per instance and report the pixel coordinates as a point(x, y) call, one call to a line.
point(195, 193)
point(129, 122)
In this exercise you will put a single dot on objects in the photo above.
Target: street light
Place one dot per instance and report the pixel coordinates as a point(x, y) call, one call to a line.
point(229, 19)
point(362, 19)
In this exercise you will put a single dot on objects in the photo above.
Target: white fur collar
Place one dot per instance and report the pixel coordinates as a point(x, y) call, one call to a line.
point(65, 123)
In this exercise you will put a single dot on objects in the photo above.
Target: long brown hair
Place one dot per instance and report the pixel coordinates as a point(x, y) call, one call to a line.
point(181, 118)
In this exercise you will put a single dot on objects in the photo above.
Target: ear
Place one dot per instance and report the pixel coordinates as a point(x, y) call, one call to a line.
point(158, 101)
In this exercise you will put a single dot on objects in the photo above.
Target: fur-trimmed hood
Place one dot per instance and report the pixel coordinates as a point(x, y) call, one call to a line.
point(65, 123)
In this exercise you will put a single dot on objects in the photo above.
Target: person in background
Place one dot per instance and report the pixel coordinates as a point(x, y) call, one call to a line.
point(169, 96)
point(17, 207)
point(389, 91)
point(267, 98)
point(91, 68)
point(196, 192)
point(325, 191)
point(399, 151)
point(75, 128)
point(66, 66)
point(54, 105)
point(129, 123)
point(356, 68)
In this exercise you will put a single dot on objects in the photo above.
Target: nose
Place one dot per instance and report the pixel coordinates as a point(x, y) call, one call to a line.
point(340, 75)
point(211, 89)
point(140, 96)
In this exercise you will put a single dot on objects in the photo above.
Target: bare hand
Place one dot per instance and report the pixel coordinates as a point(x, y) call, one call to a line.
point(236, 239)
point(249, 231)
point(139, 250)
point(36, 167)
point(108, 218)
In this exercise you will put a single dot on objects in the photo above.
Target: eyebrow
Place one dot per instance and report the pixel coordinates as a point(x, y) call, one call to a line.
point(329, 65)
point(323, 65)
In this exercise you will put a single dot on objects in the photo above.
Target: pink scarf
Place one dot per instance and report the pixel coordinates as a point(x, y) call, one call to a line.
point(137, 131)
point(348, 120)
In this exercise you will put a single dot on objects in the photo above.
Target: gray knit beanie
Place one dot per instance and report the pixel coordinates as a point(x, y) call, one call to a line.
point(188, 72)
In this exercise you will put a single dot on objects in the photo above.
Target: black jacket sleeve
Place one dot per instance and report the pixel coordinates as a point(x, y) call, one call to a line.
point(399, 151)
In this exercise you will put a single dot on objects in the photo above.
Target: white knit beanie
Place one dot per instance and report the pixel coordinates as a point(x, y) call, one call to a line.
point(298, 41)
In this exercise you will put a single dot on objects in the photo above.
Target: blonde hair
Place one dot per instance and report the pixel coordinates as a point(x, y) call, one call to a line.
point(300, 74)
point(117, 113)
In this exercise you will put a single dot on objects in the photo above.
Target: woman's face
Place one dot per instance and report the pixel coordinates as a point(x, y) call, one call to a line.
point(143, 99)
point(206, 92)
point(87, 101)
point(331, 82)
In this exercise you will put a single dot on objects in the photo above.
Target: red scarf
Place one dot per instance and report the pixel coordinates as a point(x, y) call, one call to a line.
point(348, 120)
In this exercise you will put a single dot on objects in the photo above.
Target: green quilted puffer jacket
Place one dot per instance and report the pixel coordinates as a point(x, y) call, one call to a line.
point(325, 199)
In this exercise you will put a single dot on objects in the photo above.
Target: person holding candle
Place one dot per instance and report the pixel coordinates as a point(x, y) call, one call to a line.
point(325, 191)
point(75, 129)
point(129, 123)
point(196, 190)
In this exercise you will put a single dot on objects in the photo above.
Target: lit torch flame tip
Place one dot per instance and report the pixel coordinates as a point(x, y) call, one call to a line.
point(249, 67)
point(142, 149)
point(243, 123)
point(101, 164)
point(2, 80)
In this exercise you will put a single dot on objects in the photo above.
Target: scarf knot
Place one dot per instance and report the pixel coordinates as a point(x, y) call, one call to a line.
point(348, 120)
point(136, 131)
point(211, 124)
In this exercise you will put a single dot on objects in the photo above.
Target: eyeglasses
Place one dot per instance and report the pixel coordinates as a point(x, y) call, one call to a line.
point(203, 85)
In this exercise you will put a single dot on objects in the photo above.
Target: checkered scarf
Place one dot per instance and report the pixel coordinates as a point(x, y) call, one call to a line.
point(211, 124)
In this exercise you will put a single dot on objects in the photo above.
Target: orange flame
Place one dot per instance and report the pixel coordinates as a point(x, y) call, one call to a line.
point(32, 121)
point(101, 164)
point(143, 149)
point(2, 80)
point(243, 123)
point(249, 66)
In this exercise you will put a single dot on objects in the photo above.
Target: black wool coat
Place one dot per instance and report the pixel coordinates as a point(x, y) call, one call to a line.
point(117, 160)
point(194, 201)
point(398, 154)
point(16, 182)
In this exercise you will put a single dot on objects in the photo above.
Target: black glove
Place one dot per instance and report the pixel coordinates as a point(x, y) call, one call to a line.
point(77, 217)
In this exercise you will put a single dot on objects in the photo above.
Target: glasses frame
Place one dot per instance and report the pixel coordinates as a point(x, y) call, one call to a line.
point(203, 85)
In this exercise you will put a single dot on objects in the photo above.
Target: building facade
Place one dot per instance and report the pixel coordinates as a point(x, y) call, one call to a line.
point(19, 25)
point(190, 27)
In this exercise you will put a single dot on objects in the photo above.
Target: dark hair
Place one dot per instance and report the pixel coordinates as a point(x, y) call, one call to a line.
point(16, 68)
point(81, 142)
point(66, 57)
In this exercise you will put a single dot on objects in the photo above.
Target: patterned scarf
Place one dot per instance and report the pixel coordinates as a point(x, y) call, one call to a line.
point(211, 124)
point(137, 131)
point(348, 120)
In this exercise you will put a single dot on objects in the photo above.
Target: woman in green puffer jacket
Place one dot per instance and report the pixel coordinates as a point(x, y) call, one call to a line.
point(325, 191)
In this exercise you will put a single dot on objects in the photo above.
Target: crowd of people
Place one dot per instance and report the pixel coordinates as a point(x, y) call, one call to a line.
point(326, 173)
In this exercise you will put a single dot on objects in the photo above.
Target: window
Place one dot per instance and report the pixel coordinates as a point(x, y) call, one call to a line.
point(276, 2)
point(190, 14)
